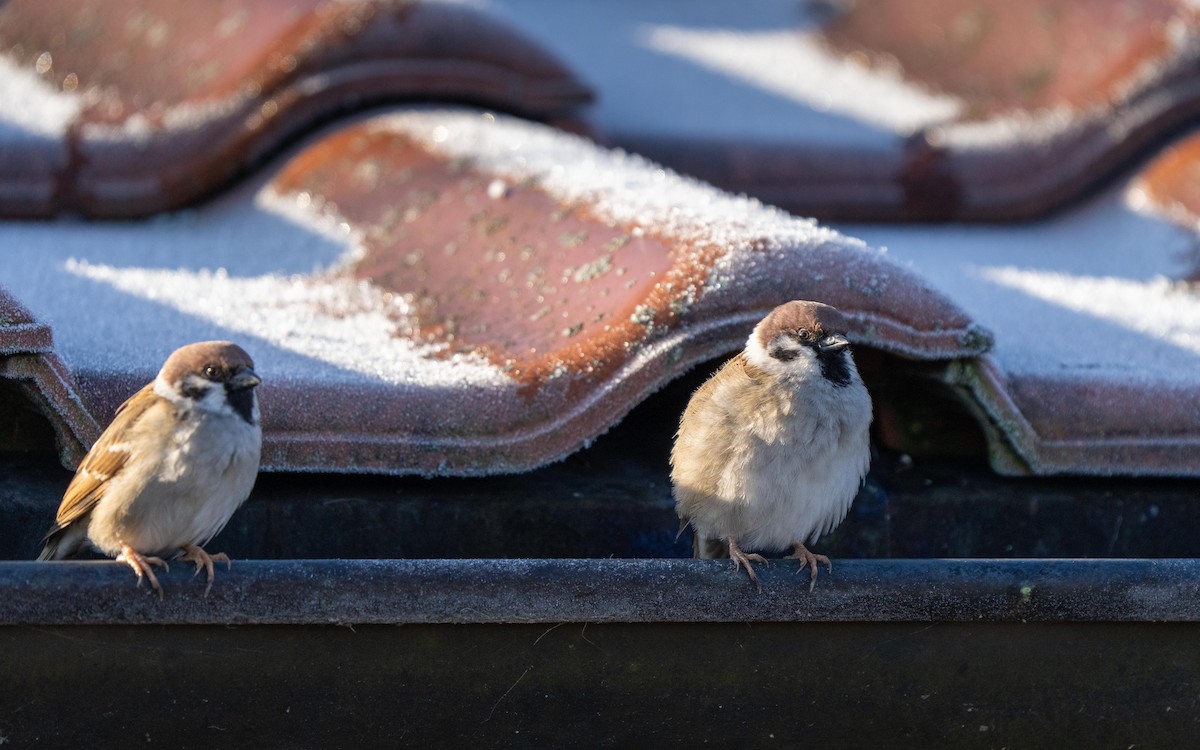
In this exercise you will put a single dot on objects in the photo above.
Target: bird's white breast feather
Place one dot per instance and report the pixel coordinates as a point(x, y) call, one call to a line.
point(188, 475)
point(792, 467)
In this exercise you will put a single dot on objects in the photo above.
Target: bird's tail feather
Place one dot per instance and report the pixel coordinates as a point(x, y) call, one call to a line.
point(62, 543)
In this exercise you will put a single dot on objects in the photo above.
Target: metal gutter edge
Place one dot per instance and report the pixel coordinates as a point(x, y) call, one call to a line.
point(315, 592)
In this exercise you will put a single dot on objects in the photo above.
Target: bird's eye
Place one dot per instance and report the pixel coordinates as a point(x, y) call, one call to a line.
point(804, 334)
point(211, 372)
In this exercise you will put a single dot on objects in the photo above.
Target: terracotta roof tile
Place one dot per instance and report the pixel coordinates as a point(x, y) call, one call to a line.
point(456, 292)
point(1097, 338)
point(128, 107)
point(880, 109)
point(1021, 55)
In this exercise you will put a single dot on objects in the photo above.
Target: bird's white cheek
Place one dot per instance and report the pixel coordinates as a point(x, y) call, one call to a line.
point(803, 364)
point(213, 401)
point(757, 355)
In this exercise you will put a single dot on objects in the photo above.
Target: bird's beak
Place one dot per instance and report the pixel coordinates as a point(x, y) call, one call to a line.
point(834, 343)
point(245, 379)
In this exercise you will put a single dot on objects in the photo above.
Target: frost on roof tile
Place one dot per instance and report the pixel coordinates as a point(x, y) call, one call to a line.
point(453, 292)
point(883, 109)
point(119, 108)
point(19, 332)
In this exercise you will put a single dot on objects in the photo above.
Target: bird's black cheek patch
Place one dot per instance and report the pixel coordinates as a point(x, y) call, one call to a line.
point(242, 402)
point(782, 352)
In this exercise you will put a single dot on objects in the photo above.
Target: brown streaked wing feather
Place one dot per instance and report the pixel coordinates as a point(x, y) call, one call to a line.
point(736, 367)
point(740, 367)
point(90, 481)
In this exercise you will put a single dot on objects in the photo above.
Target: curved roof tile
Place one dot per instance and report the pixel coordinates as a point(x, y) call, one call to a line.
point(884, 109)
point(120, 108)
point(455, 292)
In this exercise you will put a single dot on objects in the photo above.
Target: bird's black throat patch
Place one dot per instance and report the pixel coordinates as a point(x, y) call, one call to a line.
point(242, 401)
point(835, 366)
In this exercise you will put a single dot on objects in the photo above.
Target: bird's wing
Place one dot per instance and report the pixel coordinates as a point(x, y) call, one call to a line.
point(699, 453)
point(735, 372)
point(103, 461)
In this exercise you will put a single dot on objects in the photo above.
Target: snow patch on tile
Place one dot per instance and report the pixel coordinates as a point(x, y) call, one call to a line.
point(1158, 309)
point(619, 187)
point(266, 272)
point(1016, 130)
point(1090, 292)
point(299, 209)
point(185, 117)
point(347, 323)
point(798, 66)
point(44, 112)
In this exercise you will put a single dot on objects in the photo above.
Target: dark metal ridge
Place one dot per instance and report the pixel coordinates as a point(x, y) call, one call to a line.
point(548, 591)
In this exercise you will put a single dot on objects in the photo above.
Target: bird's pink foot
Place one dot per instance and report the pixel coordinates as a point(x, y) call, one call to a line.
point(741, 558)
point(204, 561)
point(141, 565)
point(800, 552)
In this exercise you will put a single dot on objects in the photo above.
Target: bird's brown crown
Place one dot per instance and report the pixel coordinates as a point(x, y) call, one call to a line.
point(818, 319)
point(223, 357)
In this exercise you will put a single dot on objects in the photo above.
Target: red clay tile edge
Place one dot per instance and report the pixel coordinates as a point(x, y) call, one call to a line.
point(1025, 435)
point(770, 256)
point(1004, 163)
point(393, 51)
point(728, 261)
point(27, 358)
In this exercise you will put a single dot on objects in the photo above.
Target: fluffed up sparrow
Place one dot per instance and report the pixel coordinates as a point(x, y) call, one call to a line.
point(178, 459)
point(773, 448)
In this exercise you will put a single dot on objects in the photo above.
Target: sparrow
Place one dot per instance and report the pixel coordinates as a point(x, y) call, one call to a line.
point(178, 459)
point(772, 449)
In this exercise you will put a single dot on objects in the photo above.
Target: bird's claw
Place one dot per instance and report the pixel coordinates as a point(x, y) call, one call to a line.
point(204, 561)
point(809, 560)
point(740, 558)
point(142, 566)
